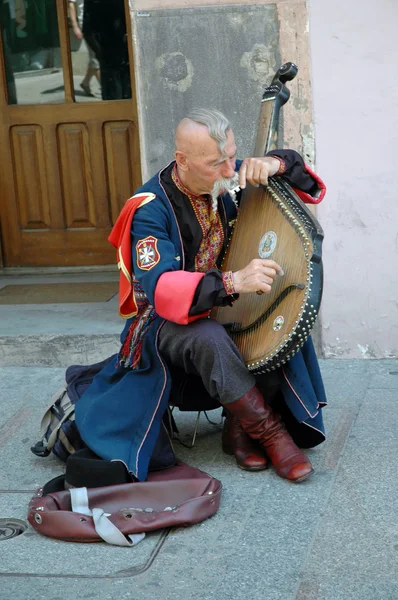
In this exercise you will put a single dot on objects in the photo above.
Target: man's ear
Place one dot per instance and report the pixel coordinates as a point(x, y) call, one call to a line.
point(181, 160)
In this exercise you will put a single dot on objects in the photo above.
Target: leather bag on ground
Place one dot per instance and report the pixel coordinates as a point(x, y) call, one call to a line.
point(179, 496)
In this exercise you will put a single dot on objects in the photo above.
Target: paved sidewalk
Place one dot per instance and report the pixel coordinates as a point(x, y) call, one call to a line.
point(333, 537)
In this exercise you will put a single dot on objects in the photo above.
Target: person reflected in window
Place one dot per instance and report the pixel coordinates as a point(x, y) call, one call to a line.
point(75, 13)
point(104, 29)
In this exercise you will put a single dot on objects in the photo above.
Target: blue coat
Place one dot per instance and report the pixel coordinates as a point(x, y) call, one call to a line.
point(119, 416)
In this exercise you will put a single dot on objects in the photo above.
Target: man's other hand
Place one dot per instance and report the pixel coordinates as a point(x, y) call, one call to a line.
point(257, 170)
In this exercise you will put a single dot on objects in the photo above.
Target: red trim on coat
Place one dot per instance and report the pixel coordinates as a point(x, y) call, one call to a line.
point(174, 295)
point(298, 397)
point(157, 405)
point(120, 238)
point(307, 198)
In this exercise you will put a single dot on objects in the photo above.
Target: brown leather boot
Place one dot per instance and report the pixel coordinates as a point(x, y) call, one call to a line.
point(235, 442)
point(263, 424)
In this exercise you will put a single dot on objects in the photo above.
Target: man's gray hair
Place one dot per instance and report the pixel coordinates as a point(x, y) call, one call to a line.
point(217, 124)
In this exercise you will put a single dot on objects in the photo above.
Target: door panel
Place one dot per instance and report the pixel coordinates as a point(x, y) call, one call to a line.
point(76, 175)
point(66, 171)
point(119, 149)
point(29, 167)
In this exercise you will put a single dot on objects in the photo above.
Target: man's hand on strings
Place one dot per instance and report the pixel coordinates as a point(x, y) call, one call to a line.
point(258, 276)
point(257, 170)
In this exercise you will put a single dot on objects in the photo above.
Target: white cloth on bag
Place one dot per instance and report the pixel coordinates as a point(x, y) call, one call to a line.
point(103, 526)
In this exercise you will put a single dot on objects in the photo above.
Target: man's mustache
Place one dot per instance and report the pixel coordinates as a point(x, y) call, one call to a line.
point(225, 184)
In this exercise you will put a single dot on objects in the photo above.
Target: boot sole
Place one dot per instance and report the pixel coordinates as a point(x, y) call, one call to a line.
point(230, 452)
point(303, 478)
point(252, 468)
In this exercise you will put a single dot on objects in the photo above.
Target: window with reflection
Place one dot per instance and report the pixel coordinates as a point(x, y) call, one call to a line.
point(31, 50)
point(98, 41)
point(32, 54)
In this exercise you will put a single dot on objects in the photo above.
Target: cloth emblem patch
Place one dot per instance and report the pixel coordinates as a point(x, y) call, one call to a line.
point(147, 253)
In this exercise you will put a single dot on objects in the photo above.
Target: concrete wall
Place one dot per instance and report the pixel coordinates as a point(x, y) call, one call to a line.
point(355, 93)
point(219, 54)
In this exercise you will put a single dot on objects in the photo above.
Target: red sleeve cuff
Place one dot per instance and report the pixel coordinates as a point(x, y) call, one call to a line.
point(228, 281)
point(174, 294)
point(307, 198)
point(282, 164)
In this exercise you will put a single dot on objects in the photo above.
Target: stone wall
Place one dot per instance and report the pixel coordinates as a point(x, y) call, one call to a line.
point(222, 56)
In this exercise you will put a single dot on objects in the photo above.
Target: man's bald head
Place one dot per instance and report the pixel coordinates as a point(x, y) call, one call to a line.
point(193, 131)
point(205, 151)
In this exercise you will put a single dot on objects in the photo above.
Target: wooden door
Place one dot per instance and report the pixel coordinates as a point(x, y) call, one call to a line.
point(66, 167)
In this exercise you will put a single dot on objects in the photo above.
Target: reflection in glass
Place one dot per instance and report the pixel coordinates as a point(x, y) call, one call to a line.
point(99, 48)
point(85, 65)
point(31, 51)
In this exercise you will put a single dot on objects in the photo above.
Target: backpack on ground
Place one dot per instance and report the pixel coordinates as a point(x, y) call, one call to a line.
point(58, 430)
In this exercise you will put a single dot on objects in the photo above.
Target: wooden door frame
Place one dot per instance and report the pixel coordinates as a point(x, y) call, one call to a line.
point(3, 108)
point(14, 114)
point(1, 253)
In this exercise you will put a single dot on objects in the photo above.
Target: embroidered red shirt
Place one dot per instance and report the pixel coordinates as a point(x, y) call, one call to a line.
point(212, 229)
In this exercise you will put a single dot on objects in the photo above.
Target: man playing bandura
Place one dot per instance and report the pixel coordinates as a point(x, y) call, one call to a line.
point(170, 239)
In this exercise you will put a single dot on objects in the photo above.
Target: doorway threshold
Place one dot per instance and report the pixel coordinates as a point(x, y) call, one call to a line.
point(4, 271)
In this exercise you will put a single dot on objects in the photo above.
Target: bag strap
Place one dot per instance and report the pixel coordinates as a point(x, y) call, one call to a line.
point(103, 526)
point(54, 434)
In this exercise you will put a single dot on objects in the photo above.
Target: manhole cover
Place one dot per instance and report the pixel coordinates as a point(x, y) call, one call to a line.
point(10, 528)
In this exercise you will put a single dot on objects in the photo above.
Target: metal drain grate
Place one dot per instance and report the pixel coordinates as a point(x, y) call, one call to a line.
point(10, 528)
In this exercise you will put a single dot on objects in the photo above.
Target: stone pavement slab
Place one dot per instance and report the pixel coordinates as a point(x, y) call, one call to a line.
point(332, 537)
point(94, 561)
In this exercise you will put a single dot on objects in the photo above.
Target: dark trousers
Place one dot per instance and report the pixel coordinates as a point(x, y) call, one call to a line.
point(207, 370)
point(206, 365)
